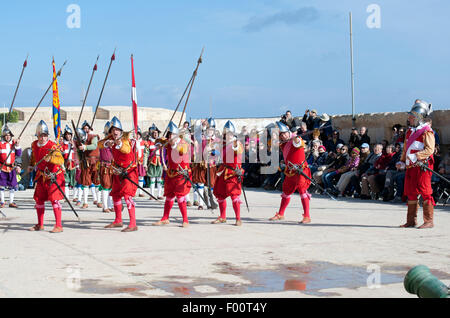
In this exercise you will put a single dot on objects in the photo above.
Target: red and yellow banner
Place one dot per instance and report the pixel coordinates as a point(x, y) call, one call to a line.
point(56, 107)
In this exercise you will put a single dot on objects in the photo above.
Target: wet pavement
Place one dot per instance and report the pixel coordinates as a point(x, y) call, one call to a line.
point(336, 256)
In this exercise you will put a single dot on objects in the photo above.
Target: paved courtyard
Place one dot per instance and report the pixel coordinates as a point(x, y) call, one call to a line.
point(353, 248)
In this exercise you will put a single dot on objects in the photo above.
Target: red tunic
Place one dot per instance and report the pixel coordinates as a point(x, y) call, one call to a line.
point(174, 184)
point(227, 182)
point(45, 190)
point(296, 155)
point(124, 158)
point(417, 181)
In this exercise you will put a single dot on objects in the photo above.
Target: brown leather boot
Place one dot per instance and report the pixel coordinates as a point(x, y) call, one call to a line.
point(428, 211)
point(411, 217)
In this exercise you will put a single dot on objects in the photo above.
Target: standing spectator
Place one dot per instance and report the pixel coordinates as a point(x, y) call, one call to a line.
point(311, 119)
point(363, 137)
point(303, 132)
point(354, 138)
point(289, 119)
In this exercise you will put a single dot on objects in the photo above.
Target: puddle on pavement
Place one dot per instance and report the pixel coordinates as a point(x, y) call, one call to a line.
point(95, 286)
point(312, 278)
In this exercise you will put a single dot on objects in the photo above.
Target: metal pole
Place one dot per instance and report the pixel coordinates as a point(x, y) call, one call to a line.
point(352, 73)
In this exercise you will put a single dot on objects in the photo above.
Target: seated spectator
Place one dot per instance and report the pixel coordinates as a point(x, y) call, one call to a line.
point(332, 141)
point(329, 161)
point(366, 166)
point(334, 171)
point(346, 177)
point(373, 178)
point(349, 168)
point(313, 153)
point(392, 170)
point(315, 138)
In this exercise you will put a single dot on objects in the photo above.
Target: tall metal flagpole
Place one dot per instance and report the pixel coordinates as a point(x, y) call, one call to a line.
point(352, 72)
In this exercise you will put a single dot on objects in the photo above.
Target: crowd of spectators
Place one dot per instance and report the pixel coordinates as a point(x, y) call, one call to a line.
point(356, 168)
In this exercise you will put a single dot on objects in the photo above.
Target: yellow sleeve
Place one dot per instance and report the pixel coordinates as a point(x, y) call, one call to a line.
point(126, 147)
point(429, 144)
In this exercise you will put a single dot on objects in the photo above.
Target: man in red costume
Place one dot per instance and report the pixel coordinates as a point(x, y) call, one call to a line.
point(293, 148)
point(175, 184)
point(122, 148)
point(419, 148)
point(230, 175)
point(47, 159)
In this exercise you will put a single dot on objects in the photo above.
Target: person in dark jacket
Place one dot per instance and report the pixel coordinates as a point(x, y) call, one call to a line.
point(363, 137)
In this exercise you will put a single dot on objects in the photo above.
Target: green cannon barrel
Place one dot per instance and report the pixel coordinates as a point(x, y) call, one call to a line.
point(419, 281)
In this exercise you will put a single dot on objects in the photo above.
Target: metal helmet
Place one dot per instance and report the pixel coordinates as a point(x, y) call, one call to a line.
point(6, 131)
point(67, 130)
point(211, 123)
point(282, 127)
point(172, 128)
point(421, 108)
point(154, 128)
point(229, 127)
point(106, 128)
point(85, 123)
point(115, 123)
point(41, 128)
point(139, 130)
point(82, 134)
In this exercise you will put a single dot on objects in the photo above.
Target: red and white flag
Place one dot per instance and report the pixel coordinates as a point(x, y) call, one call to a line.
point(134, 98)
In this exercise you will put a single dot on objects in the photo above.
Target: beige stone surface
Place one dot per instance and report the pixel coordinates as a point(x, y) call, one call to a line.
point(334, 256)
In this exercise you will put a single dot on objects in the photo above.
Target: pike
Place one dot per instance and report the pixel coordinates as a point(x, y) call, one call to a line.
point(113, 57)
point(53, 180)
point(424, 167)
point(35, 109)
point(17, 88)
point(187, 87)
point(87, 92)
point(124, 175)
point(238, 173)
point(77, 136)
point(299, 170)
point(194, 75)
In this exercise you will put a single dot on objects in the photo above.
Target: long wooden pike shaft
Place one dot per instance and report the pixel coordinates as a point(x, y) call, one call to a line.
point(87, 92)
point(35, 109)
point(187, 87)
point(40, 102)
point(17, 87)
point(113, 57)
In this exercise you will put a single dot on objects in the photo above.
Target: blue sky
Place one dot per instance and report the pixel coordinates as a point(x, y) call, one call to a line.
point(261, 57)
